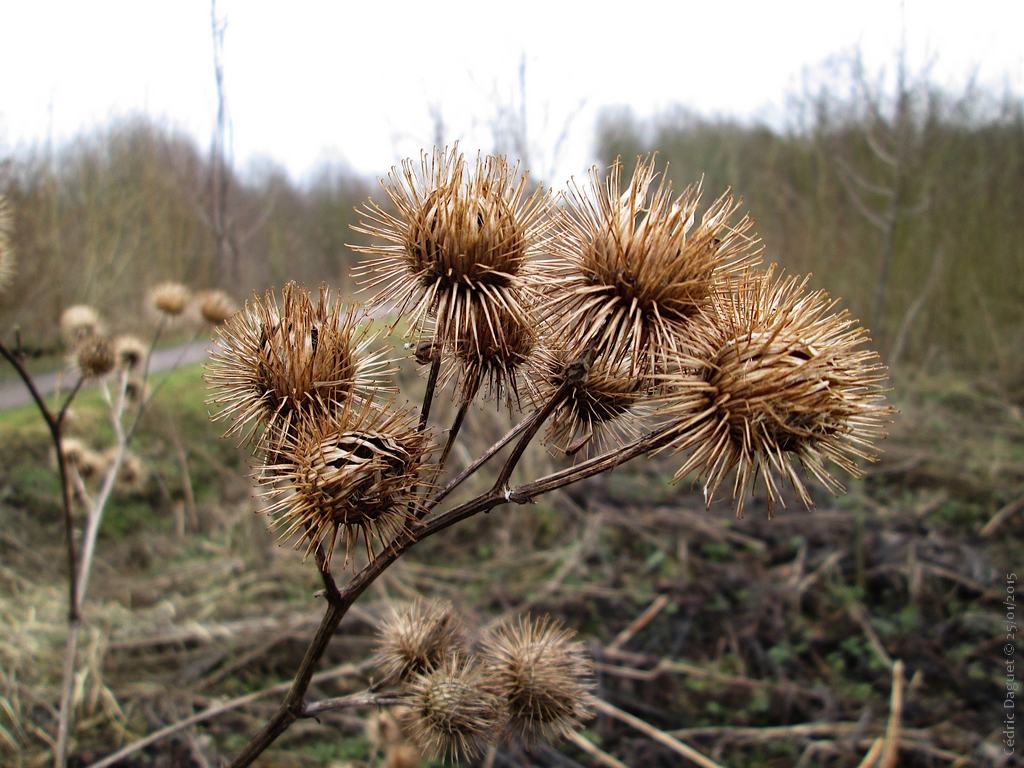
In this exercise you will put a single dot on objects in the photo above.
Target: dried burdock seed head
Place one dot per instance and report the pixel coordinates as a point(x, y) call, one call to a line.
point(543, 677)
point(418, 638)
point(6, 249)
point(786, 380)
point(135, 390)
point(489, 357)
point(170, 299)
point(95, 357)
point(92, 465)
point(78, 456)
point(356, 472)
point(130, 352)
point(73, 449)
point(453, 714)
point(79, 322)
point(132, 474)
point(601, 409)
point(71, 421)
point(215, 306)
point(631, 266)
point(458, 239)
point(274, 360)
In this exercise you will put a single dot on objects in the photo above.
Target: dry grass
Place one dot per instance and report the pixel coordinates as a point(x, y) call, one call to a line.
point(752, 642)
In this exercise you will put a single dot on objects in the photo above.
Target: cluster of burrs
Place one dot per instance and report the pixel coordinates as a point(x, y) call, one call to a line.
point(94, 354)
point(619, 306)
point(523, 681)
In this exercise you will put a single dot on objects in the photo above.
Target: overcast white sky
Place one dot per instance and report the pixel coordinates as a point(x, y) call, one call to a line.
point(314, 80)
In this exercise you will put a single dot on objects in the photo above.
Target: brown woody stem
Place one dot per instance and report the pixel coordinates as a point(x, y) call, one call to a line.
point(293, 708)
point(428, 394)
point(353, 700)
point(453, 433)
point(531, 431)
point(55, 424)
point(487, 456)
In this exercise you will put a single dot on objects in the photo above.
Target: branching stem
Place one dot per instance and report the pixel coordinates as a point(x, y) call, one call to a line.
point(293, 708)
point(145, 399)
point(531, 431)
point(483, 459)
point(55, 423)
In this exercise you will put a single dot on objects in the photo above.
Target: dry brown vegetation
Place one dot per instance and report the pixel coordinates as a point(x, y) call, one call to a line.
point(755, 641)
point(128, 206)
point(872, 626)
point(946, 169)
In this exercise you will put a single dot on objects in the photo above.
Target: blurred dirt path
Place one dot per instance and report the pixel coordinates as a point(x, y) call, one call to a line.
point(14, 392)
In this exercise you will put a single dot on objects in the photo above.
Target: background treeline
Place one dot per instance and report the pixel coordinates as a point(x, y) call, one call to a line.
point(113, 213)
point(906, 201)
point(909, 206)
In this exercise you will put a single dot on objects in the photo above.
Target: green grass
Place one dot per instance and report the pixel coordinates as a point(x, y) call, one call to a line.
point(177, 413)
point(183, 387)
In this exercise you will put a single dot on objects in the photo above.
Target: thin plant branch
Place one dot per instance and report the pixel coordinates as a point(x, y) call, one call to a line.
point(96, 513)
point(886, 157)
point(116, 406)
point(351, 701)
point(147, 399)
point(292, 707)
point(483, 459)
point(1001, 515)
point(594, 751)
point(67, 400)
point(428, 393)
point(60, 749)
point(55, 424)
point(453, 433)
point(915, 306)
point(873, 753)
point(890, 751)
point(83, 493)
point(428, 399)
point(534, 426)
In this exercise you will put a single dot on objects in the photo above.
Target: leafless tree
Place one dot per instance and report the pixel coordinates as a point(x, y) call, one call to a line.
point(885, 195)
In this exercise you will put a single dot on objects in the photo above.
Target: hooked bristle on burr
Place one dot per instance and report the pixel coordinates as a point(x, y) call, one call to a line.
point(453, 712)
point(418, 638)
point(357, 472)
point(456, 257)
point(275, 360)
point(543, 677)
point(631, 267)
point(785, 382)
